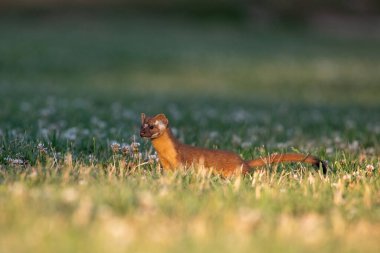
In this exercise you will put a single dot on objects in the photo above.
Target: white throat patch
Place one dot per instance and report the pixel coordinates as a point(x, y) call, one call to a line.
point(154, 135)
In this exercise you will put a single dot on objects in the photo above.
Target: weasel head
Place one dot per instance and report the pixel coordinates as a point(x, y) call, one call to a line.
point(153, 127)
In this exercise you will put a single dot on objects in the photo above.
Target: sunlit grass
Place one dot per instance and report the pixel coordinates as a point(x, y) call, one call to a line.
point(72, 206)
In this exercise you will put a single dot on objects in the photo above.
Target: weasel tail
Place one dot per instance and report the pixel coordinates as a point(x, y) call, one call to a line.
point(173, 154)
point(283, 158)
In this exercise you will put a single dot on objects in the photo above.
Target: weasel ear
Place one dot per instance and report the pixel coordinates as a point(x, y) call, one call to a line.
point(143, 118)
point(161, 117)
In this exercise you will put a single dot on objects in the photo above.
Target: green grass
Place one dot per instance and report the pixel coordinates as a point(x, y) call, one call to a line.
point(70, 88)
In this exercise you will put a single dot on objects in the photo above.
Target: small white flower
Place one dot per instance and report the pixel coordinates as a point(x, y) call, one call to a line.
point(357, 175)
point(115, 146)
point(135, 146)
point(369, 168)
point(70, 134)
point(153, 158)
point(92, 158)
point(125, 149)
point(41, 148)
point(15, 161)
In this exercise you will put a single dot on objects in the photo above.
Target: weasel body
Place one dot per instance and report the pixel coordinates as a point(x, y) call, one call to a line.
point(174, 154)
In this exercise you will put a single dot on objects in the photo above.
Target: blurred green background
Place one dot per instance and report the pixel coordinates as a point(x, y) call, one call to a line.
point(309, 52)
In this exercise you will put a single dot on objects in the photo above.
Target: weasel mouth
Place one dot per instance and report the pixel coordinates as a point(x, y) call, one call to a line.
point(143, 134)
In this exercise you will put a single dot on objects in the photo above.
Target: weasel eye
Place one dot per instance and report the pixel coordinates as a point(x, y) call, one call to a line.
point(151, 127)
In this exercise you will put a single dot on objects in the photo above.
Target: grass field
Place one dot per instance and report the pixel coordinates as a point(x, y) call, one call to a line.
point(75, 176)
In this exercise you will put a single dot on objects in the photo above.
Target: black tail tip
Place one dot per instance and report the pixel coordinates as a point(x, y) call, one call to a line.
point(324, 165)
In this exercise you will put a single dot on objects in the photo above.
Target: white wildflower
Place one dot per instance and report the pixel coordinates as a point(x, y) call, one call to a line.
point(135, 146)
point(16, 161)
point(125, 149)
point(357, 175)
point(70, 134)
point(153, 158)
point(115, 146)
point(92, 158)
point(369, 168)
point(41, 148)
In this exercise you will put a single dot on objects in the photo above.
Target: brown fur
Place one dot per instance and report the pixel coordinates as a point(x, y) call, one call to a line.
point(174, 154)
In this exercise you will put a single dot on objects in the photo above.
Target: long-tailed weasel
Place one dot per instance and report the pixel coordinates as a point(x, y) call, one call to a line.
point(174, 154)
